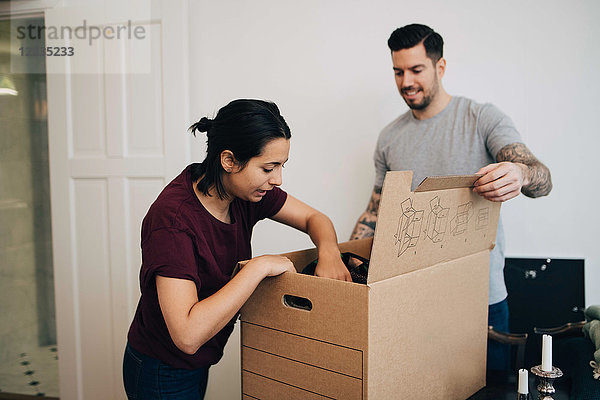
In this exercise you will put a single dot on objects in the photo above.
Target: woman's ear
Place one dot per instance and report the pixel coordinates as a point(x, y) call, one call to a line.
point(228, 161)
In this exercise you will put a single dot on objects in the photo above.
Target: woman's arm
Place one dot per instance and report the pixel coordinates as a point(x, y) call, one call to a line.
point(190, 322)
point(301, 216)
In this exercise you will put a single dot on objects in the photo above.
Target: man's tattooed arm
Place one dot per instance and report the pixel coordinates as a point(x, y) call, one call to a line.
point(538, 179)
point(365, 227)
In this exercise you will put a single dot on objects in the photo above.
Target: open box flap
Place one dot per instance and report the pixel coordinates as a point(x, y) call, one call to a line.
point(447, 182)
point(443, 221)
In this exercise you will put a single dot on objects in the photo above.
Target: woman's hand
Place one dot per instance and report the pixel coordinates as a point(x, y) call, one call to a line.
point(331, 266)
point(299, 215)
point(271, 265)
point(192, 323)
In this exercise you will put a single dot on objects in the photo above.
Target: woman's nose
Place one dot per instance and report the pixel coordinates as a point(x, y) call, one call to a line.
point(276, 178)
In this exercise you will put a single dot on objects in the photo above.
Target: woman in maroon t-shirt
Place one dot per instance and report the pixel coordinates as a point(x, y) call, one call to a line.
point(194, 234)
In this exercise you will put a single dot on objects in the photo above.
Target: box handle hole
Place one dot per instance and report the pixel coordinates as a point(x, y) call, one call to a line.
point(301, 303)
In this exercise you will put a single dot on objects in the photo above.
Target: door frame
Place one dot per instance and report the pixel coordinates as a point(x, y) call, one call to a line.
point(173, 18)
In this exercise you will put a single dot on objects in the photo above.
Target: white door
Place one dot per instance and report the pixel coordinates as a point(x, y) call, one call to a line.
point(117, 135)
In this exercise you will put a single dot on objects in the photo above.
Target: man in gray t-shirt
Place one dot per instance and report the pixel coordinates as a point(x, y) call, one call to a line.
point(445, 135)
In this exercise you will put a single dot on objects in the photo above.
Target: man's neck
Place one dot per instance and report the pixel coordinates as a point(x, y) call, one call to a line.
point(441, 101)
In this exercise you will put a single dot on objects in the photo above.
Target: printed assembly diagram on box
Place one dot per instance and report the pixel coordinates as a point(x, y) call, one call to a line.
point(413, 225)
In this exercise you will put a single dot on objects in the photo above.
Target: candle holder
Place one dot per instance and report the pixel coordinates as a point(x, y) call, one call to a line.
point(546, 380)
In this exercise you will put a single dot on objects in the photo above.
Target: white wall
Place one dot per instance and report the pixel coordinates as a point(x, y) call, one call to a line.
point(327, 66)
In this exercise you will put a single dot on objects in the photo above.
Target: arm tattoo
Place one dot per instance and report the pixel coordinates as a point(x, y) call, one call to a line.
point(540, 181)
point(373, 207)
point(365, 227)
point(361, 232)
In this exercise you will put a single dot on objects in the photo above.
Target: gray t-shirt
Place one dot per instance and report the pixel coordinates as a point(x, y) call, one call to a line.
point(461, 139)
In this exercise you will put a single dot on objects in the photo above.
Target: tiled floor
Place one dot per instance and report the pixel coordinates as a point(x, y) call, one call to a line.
point(34, 372)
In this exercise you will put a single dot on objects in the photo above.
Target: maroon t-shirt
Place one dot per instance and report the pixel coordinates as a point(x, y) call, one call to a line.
point(181, 239)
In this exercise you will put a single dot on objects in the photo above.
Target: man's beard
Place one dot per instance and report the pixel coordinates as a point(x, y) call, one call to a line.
point(427, 98)
point(420, 106)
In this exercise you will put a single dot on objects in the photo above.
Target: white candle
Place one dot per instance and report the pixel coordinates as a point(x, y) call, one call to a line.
point(523, 387)
point(547, 353)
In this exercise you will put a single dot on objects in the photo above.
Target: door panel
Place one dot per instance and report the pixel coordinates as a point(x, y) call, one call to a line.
point(117, 127)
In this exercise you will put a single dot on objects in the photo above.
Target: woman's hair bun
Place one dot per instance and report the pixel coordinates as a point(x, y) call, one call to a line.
point(203, 125)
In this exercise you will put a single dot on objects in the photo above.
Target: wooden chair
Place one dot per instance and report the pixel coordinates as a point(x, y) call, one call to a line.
point(518, 340)
point(569, 329)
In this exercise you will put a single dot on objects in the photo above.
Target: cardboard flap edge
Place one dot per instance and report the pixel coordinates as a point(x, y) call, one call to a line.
point(396, 181)
point(432, 183)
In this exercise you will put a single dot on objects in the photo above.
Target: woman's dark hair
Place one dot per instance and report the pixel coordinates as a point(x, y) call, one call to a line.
point(411, 35)
point(244, 127)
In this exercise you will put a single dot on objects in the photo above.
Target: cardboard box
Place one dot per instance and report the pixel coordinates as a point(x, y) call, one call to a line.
point(416, 330)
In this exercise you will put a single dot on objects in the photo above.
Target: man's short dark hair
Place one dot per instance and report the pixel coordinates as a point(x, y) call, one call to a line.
point(411, 35)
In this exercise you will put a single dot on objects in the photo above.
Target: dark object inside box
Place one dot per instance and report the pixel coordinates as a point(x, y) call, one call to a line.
point(357, 266)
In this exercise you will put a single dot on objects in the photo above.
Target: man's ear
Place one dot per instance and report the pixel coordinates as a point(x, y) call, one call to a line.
point(440, 67)
point(228, 161)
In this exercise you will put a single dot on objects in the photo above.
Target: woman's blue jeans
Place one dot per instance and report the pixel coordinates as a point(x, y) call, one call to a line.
point(146, 378)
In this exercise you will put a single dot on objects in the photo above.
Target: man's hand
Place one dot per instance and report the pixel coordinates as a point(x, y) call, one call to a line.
point(501, 181)
point(517, 171)
point(537, 175)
